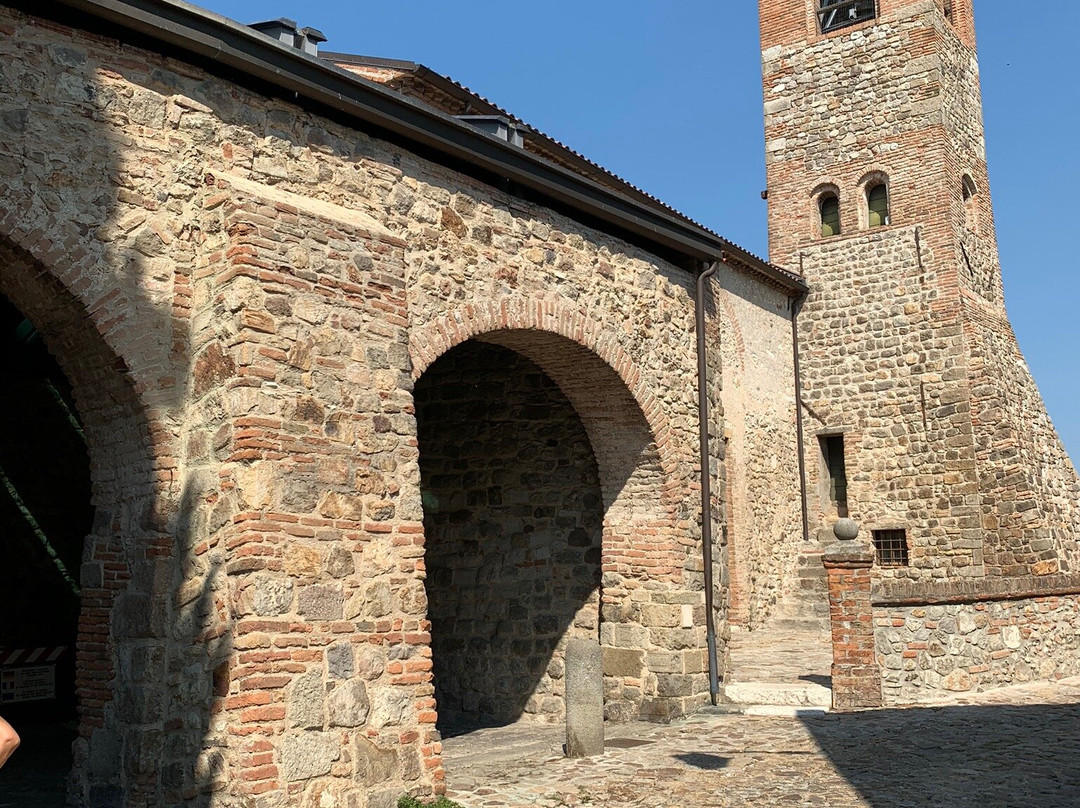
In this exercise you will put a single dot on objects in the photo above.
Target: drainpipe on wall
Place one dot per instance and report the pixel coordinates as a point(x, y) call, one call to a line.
point(706, 487)
point(796, 305)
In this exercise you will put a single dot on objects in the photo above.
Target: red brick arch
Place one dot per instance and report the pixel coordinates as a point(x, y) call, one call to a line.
point(432, 339)
point(45, 272)
point(48, 271)
point(625, 422)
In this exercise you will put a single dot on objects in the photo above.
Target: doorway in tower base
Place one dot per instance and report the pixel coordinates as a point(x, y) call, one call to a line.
point(513, 519)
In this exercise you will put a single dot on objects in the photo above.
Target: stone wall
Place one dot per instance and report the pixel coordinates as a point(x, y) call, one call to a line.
point(840, 108)
point(879, 369)
point(906, 350)
point(764, 517)
point(243, 294)
point(906, 347)
point(512, 521)
point(1030, 490)
point(881, 342)
point(930, 652)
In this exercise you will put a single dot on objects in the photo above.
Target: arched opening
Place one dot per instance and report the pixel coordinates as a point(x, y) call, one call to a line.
point(96, 499)
point(45, 515)
point(829, 214)
point(651, 600)
point(513, 520)
point(877, 205)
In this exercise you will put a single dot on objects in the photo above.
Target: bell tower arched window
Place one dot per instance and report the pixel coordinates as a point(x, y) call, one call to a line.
point(877, 205)
point(829, 210)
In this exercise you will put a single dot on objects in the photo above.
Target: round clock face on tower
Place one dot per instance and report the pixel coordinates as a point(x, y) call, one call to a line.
point(836, 14)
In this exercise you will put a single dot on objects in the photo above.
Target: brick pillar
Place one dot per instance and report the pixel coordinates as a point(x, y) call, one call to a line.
point(856, 679)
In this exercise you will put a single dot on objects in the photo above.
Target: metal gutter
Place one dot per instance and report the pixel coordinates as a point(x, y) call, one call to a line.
point(800, 435)
point(227, 43)
point(706, 477)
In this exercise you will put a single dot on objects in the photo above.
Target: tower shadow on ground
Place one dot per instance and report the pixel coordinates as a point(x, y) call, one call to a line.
point(960, 757)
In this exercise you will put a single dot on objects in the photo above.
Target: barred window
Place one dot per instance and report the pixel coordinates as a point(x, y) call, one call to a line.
point(890, 548)
point(836, 14)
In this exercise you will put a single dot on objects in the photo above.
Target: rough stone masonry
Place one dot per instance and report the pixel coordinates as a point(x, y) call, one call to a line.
point(281, 323)
point(280, 329)
point(910, 366)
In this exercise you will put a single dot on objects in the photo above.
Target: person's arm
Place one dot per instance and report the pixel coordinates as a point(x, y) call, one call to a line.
point(9, 741)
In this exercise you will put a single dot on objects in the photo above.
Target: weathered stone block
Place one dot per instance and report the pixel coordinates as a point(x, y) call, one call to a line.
point(321, 602)
point(339, 562)
point(348, 704)
point(271, 595)
point(389, 706)
point(305, 702)
point(623, 662)
point(307, 754)
point(584, 698)
point(340, 662)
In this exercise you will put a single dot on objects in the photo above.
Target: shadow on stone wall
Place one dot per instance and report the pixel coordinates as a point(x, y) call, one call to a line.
point(512, 518)
point(961, 757)
point(95, 250)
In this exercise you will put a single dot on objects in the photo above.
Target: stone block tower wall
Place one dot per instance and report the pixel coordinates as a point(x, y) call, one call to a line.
point(905, 344)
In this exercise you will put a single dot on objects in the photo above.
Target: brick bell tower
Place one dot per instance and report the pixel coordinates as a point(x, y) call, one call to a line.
point(922, 421)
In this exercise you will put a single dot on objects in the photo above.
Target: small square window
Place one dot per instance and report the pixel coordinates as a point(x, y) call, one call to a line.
point(890, 548)
point(836, 14)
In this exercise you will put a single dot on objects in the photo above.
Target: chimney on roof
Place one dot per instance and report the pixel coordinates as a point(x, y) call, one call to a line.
point(498, 125)
point(285, 31)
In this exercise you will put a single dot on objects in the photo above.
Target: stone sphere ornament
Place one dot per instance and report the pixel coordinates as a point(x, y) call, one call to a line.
point(845, 529)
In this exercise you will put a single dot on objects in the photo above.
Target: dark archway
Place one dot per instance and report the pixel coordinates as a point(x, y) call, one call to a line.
point(513, 518)
point(45, 515)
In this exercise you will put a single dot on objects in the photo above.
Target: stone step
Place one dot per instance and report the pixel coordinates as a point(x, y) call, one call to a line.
point(782, 710)
point(778, 694)
point(810, 618)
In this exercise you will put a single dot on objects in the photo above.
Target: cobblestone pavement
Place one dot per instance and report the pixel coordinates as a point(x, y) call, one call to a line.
point(1009, 749)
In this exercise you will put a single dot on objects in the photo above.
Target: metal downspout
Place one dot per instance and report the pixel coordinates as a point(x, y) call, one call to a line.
point(796, 305)
point(706, 492)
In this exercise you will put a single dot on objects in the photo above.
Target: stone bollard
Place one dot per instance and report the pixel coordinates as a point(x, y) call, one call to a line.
point(584, 699)
point(856, 678)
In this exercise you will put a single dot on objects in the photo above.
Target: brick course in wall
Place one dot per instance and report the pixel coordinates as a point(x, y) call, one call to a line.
point(243, 295)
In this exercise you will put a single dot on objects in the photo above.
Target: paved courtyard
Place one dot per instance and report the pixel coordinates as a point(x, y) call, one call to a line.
point(1013, 748)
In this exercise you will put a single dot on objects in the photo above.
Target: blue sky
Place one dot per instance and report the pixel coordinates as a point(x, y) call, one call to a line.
point(668, 96)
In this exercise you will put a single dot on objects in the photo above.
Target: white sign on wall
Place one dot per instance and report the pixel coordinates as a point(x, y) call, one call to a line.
point(32, 683)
